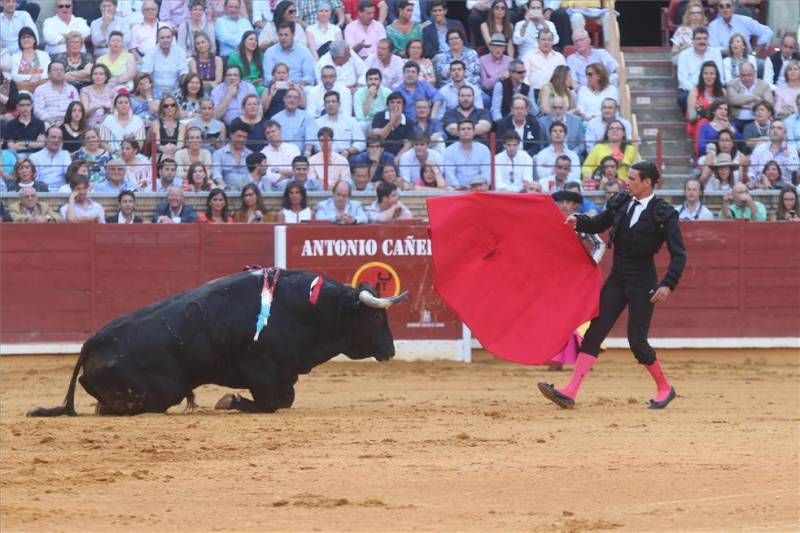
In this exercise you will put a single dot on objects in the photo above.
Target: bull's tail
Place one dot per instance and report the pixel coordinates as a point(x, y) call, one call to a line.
point(69, 401)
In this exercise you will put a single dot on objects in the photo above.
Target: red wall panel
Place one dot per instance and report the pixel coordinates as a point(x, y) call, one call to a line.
point(60, 282)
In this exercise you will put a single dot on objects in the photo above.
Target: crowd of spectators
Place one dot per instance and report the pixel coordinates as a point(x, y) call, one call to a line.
point(249, 97)
point(741, 101)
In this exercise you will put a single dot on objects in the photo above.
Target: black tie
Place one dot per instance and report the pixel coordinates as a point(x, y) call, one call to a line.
point(629, 214)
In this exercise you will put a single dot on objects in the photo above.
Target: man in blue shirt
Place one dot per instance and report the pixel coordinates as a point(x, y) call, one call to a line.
point(413, 89)
point(166, 63)
point(296, 57)
point(728, 23)
point(229, 166)
point(466, 159)
point(299, 128)
point(229, 28)
point(340, 209)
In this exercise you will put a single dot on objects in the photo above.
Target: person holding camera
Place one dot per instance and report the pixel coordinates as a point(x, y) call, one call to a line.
point(526, 31)
point(739, 204)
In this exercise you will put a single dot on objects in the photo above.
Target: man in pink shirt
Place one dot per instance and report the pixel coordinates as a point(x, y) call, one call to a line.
point(364, 33)
point(541, 63)
point(494, 65)
point(51, 99)
point(174, 12)
point(390, 65)
point(143, 34)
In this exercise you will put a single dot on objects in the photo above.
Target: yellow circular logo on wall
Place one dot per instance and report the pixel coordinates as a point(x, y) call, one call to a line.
point(381, 276)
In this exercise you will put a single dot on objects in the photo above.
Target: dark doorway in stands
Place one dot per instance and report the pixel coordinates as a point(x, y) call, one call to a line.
point(640, 22)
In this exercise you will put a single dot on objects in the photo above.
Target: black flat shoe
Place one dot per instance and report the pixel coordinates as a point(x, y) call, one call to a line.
point(663, 403)
point(562, 400)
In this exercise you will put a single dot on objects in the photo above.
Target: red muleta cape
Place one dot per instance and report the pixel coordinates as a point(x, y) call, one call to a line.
point(512, 271)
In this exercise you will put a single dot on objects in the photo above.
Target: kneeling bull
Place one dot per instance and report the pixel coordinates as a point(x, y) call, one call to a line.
point(255, 330)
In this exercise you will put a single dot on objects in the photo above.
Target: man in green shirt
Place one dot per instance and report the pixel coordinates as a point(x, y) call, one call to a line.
point(743, 206)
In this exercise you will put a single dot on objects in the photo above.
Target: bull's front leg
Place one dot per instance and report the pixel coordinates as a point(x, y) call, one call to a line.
point(263, 401)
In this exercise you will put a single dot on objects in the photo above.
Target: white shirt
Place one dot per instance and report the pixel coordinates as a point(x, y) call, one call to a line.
point(590, 102)
point(351, 73)
point(540, 67)
point(530, 41)
point(333, 33)
point(51, 167)
point(409, 165)
point(122, 220)
point(9, 29)
point(511, 173)
point(689, 64)
point(391, 75)
point(315, 99)
point(261, 11)
point(700, 212)
point(347, 132)
point(546, 160)
point(54, 30)
point(596, 130)
point(769, 72)
point(278, 159)
point(94, 210)
point(450, 95)
point(642, 205)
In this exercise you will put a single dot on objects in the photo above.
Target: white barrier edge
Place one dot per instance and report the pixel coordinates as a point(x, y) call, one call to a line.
point(466, 344)
point(280, 247)
point(45, 348)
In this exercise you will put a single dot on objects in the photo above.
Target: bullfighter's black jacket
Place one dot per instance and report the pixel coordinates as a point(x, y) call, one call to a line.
point(636, 247)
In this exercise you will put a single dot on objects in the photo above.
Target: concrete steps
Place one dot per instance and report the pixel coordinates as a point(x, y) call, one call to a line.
point(651, 83)
point(665, 99)
point(654, 93)
point(655, 114)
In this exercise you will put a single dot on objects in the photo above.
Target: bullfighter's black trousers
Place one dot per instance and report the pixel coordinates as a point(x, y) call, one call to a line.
point(615, 295)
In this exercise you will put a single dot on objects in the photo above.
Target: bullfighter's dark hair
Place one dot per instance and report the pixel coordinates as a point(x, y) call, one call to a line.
point(647, 171)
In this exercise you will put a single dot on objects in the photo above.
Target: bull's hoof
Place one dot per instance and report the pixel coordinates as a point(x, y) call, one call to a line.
point(227, 402)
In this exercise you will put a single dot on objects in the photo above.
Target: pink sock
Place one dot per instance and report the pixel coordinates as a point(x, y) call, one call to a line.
point(584, 363)
point(663, 386)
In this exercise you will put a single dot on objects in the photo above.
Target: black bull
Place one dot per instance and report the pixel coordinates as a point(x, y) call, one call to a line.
point(153, 358)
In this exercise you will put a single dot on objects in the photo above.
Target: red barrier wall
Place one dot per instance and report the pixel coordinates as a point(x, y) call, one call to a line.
point(60, 282)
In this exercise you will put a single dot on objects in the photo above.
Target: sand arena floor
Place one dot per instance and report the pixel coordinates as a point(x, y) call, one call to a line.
point(419, 446)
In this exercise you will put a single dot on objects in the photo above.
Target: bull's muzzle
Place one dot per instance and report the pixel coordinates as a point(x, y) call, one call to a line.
point(370, 300)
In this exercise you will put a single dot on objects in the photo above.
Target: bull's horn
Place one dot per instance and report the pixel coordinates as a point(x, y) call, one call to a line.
point(368, 299)
point(399, 298)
